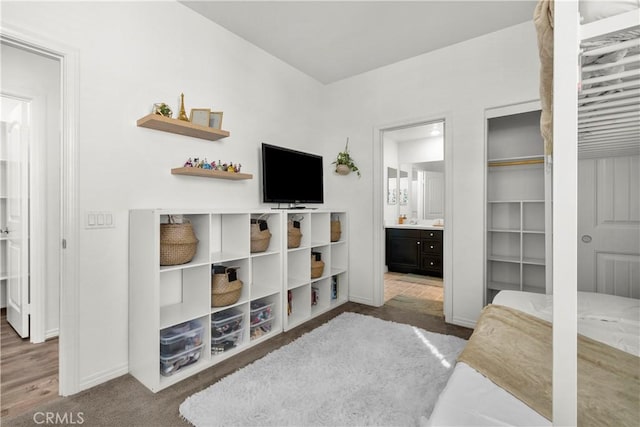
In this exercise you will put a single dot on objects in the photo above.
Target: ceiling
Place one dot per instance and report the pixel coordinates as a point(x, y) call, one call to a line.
point(333, 40)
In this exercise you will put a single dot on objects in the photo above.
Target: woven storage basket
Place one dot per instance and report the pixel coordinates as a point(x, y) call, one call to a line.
point(317, 265)
point(260, 235)
point(178, 243)
point(335, 230)
point(224, 291)
point(294, 235)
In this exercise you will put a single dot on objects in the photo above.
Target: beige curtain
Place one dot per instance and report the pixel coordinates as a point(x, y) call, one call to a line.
point(543, 20)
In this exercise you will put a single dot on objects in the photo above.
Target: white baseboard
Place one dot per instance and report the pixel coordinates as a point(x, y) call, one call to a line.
point(104, 376)
point(459, 321)
point(365, 301)
point(52, 333)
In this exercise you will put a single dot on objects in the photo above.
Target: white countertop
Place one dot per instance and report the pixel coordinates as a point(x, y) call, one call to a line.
point(421, 225)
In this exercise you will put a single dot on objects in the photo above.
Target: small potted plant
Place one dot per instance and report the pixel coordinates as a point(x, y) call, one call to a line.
point(344, 163)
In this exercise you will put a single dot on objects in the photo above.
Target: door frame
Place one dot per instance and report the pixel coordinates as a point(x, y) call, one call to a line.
point(379, 200)
point(68, 343)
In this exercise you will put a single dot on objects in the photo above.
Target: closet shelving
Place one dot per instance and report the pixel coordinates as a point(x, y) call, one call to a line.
point(332, 287)
point(517, 201)
point(166, 296)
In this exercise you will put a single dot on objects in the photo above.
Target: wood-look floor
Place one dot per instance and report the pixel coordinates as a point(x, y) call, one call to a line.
point(28, 372)
point(124, 401)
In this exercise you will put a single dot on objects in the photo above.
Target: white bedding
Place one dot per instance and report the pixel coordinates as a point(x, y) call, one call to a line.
point(470, 399)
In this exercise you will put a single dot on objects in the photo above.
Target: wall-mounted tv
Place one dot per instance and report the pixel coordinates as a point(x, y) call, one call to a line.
point(290, 176)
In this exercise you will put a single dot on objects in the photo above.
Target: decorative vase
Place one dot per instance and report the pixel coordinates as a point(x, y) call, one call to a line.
point(343, 170)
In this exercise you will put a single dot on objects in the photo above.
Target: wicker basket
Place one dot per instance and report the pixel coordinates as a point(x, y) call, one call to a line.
point(260, 235)
point(317, 265)
point(294, 235)
point(178, 243)
point(335, 230)
point(226, 288)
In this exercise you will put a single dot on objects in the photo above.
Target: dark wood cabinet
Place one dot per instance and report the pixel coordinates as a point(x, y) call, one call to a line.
point(414, 251)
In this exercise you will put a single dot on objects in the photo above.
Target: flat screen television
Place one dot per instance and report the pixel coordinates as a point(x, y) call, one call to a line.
point(290, 176)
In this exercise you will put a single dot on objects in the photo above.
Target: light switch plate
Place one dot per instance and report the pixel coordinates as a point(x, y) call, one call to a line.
point(99, 219)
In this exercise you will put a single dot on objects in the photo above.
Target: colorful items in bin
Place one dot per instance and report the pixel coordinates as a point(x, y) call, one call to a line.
point(225, 322)
point(226, 288)
point(180, 346)
point(260, 319)
point(317, 265)
point(315, 295)
point(226, 330)
point(289, 303)
point(260, 234)
point(294, 234)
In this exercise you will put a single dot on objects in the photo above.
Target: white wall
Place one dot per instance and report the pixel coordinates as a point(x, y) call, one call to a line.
point(130, 56)
point(423, 150)
point(461, 81)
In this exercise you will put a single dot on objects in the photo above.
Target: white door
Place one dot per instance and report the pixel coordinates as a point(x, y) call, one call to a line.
point(609, 226)
point(17, 140)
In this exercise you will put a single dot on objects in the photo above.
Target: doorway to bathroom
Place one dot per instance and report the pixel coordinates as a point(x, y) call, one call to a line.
point(414, 205)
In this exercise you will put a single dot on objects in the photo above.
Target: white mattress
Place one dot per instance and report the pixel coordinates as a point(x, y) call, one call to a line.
point(470, 399)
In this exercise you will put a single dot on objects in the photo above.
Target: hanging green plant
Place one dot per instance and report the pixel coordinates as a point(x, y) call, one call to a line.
point(344, 163)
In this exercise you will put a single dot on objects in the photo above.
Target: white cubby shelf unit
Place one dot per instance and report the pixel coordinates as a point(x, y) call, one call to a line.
point(518, 202)
point(166, 296)
point(332, 287)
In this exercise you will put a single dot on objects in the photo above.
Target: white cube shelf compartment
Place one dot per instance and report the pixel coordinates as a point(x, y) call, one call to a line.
point(165, 296)
point(316, 237)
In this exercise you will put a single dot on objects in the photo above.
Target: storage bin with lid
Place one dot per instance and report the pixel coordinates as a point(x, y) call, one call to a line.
point(184, 336)
point(261, 328)
point(226, 342)
point(225, 322)
point(260, 311)
point(169, 365)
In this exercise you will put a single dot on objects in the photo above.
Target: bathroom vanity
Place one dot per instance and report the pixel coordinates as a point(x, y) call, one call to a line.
point(412, 248)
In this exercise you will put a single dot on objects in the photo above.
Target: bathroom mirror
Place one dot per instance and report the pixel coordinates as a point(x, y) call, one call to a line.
point(392, 186)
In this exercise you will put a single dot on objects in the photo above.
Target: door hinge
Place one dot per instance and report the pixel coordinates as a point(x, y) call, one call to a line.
point(64, 243)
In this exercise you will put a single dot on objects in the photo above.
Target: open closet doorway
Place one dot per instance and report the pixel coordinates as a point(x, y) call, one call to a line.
point(414, 226)
point(30, 220)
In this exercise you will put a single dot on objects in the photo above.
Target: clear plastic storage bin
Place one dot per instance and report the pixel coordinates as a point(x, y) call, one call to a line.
point(225, 322)
point(226, 342)
point(169, 365)
point(176, 339)
point(260, 311)
point(260, 329)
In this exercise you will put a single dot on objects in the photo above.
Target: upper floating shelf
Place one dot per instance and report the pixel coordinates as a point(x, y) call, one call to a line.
point(166, 124)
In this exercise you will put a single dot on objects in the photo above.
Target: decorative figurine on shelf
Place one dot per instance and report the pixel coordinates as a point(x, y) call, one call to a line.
point(188, 163)
point(182, 115)
point(222, 167)
point(230, 168)
point(238, 166)
point(206, 164)
point(200, 164)
point(162, 109)
point(213, 165)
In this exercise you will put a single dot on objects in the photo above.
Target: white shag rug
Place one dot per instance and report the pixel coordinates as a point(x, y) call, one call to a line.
point(355, 370)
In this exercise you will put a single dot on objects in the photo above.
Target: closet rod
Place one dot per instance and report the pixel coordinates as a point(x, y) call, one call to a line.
point(515, 162)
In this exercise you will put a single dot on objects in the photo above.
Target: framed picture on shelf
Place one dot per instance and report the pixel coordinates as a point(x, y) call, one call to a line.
point(200, 116)
point(215, 119)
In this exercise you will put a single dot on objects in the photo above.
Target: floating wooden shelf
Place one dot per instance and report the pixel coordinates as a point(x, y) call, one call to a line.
point(166, 124)
point(210, 173)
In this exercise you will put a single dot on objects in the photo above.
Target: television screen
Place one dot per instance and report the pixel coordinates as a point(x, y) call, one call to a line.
point(290, 176)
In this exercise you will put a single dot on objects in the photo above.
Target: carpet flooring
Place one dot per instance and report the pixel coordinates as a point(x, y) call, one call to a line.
point(125, 402)
point(388, 374)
